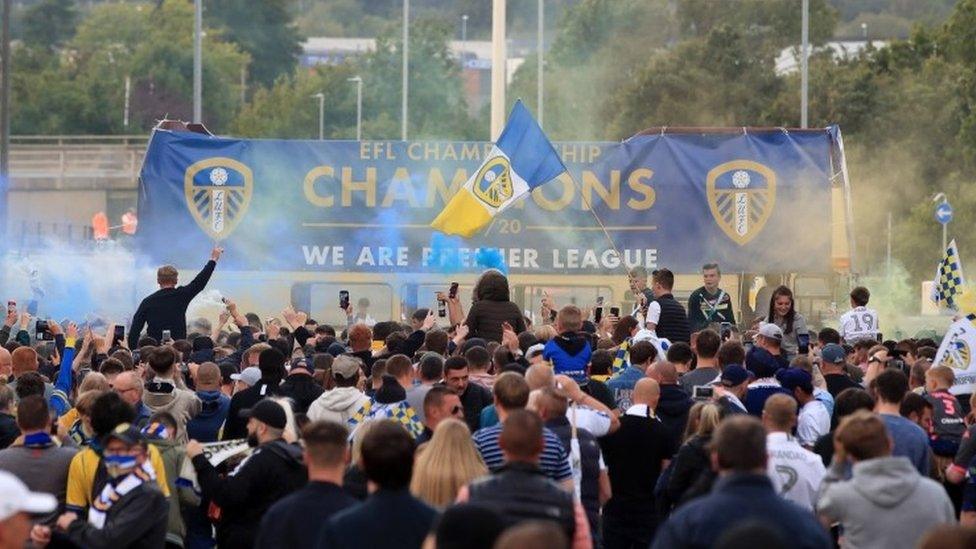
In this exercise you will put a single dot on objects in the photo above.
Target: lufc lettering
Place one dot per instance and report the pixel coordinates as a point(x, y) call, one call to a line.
point(521, 258)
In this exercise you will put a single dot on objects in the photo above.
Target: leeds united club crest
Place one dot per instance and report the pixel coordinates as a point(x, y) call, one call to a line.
point(493, 184)
point(741, 195)
point(218, 191)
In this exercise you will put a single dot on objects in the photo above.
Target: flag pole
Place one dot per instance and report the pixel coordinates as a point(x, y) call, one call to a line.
point(599, 221)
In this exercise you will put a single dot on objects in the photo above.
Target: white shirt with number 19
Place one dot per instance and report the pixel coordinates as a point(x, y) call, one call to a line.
point(859, 323)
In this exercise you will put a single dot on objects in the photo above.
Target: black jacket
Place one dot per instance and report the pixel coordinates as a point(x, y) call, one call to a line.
point(8, 430)
point(136, 521)
point(672, 409)
point(521, 492)
point(301, 388)
point(473, 400)
point(274, 470)
point(689, 463)
point(286, 522)
point(492, 307)
point(236, 426)
point(391, 519)
point(673, 323)
point(166, 309)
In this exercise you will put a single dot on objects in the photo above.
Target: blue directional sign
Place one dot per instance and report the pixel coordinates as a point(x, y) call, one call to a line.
point(943, 213)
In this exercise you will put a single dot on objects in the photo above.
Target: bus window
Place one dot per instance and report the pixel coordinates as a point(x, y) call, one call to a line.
point(529, 297)
point(416, 296)
point(371, 303)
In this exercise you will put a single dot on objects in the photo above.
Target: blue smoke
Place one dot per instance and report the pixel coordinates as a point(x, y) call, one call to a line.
point(446, 255)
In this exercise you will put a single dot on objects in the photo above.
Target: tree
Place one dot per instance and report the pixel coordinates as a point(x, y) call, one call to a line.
point(49, 23)
point(264, 30)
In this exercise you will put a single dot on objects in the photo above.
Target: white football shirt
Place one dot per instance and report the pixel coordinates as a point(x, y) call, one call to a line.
point(859, 323)
point(795, 471)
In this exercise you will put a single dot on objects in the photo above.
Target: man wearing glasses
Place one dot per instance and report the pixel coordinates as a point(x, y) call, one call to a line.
point(129, 387)
point(440, 403)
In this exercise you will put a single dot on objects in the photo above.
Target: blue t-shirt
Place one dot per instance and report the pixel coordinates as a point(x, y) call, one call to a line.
point(910, 441)
point(622, 386)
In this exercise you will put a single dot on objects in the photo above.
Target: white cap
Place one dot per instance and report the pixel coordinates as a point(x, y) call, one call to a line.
point(534, 351)
point(250, 375)
point(16, 498)
point(770, 330)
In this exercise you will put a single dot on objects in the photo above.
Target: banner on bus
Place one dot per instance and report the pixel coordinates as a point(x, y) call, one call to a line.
point(752, 201)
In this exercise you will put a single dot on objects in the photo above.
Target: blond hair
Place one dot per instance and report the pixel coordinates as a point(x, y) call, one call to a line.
point(448, 462)
point(545, 332)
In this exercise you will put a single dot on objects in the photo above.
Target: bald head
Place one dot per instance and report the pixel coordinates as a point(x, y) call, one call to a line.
point(646, 391)
point(539, 376)
point(128, 386)
point(6, 363)
point(663, 372)
point(779, 413)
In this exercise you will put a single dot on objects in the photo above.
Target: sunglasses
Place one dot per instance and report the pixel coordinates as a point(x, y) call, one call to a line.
point(456, 410)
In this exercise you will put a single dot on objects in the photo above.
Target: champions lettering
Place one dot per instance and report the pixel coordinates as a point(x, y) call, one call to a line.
point(331, 187)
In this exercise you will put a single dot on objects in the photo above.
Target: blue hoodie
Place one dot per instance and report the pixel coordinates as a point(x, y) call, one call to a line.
point(205, 426)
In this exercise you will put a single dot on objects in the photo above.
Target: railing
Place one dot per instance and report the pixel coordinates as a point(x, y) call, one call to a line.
point(63, 162)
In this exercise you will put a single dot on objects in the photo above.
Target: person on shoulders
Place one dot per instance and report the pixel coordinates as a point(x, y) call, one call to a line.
point(860, 322)
point(569, 352)
point(166, 308)
point(709, 303)
point(948, 424)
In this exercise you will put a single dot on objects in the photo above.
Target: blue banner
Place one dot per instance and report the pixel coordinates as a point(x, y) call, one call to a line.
point(752, 201)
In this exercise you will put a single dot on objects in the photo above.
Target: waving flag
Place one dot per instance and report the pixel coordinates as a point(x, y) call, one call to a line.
point(521, 160)
point(949, 281)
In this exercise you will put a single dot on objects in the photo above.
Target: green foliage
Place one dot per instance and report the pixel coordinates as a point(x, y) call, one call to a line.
point(49, 23)
point(437, 107)
point(263, 29)
point(81, 88)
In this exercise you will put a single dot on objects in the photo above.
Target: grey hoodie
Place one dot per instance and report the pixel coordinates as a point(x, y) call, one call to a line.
point(164, 395)
point(886, 504)
point(337, 405)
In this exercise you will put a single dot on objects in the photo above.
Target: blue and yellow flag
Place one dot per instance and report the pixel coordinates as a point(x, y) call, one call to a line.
point(521, 160)
point(949, 281)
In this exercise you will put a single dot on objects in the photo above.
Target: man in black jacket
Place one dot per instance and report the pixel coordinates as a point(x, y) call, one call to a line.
point(272, 365)
point(300, 386)
point(274, 470)
point(166, 308)
point(520, 491)
point(390, 517)
point(672, 320)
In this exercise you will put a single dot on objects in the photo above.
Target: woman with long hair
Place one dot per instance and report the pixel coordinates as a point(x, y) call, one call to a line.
point(783, 313)
point(448, 462)
point(692, 459)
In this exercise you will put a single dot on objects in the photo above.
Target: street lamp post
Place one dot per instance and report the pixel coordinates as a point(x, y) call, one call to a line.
point(864, 31)
point(498, 64)
point(198, 61)
point(359, 106)
point(406, 67)
point(804, 61)
point(321, 97)
point(464, 29)
point(540, 93)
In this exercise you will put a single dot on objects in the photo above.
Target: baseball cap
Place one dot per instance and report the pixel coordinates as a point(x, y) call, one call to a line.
point(733, 375)
point(770, 330)
point(791, 378)
point(345, 366)
point(127, 433)
point(833, 353)
point(301, 363)
point(16, 498)
point(250, 375)
point(268, 412)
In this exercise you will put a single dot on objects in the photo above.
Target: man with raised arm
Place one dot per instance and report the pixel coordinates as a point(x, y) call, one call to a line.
point(166, 308)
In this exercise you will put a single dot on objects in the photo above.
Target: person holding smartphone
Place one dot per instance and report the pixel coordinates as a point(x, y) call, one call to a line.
point(166, 308)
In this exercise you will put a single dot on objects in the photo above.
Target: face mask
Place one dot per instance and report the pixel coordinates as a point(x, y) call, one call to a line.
point(117, 465)
point(252, 440)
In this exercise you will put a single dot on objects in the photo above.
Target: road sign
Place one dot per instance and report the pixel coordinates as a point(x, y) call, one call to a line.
point(943, 213)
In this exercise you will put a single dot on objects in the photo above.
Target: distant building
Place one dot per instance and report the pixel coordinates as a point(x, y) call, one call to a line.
point(788, 60)
point(473, 55)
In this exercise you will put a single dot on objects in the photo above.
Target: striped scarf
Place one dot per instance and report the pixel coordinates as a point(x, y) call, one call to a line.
point(113, 493)
point(622, 358)
point(400, 412)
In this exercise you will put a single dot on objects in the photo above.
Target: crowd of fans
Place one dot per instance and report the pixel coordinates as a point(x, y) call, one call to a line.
point(661, 428)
